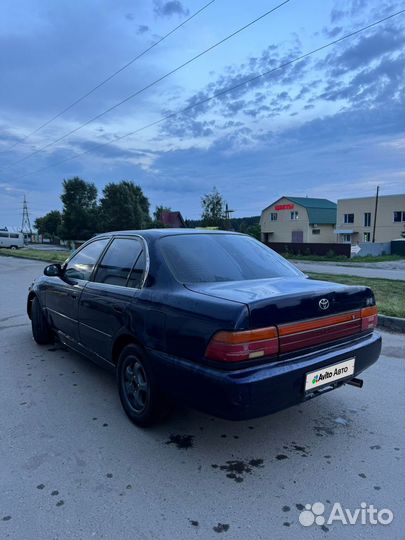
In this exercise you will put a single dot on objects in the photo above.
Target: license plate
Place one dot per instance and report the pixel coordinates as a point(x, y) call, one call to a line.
point(321, 377)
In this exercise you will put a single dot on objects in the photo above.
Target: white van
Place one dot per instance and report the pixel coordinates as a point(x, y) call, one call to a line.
point(11, 240)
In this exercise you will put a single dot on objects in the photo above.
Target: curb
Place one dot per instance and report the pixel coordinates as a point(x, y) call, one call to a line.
point(393, 324)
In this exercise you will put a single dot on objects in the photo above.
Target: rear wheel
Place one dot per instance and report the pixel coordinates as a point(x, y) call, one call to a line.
point(140, 396)
point(13, 247)
point(40, 328)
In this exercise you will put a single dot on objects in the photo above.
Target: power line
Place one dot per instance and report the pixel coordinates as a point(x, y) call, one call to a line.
point(150, 85)
point(218, 94)
point(107, 79)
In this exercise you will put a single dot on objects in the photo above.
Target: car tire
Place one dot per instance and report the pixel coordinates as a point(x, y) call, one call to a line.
point(41, 330)
point(13, 247)
point(140, 396)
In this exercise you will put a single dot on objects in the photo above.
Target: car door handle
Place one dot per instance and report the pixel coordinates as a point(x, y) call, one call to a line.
point(118, 309)
point(73, 295)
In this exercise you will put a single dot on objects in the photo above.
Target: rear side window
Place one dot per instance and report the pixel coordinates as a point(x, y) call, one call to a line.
point(137, 273)
point(81, 265)
point(3, 234)
point(119, 262)
point(198, 258)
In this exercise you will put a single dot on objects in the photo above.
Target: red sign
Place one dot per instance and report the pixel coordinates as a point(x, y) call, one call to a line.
point(284, 207)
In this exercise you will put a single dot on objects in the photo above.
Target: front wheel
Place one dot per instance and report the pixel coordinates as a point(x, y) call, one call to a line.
point(41, 330)
point(140, 396)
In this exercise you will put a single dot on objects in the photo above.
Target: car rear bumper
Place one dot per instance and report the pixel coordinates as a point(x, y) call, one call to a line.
point(259, 390)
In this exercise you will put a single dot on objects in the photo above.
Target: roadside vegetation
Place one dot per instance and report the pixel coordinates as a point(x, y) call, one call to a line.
point(50, 256)
point(342, 258)
point(389, 294)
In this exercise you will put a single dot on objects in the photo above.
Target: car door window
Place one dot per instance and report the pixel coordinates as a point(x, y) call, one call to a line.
point(81, 265)
point(118, 261)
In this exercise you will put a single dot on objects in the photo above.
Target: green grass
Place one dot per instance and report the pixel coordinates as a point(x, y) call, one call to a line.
point(36, 254)
point(389, 294)
point(342, 258)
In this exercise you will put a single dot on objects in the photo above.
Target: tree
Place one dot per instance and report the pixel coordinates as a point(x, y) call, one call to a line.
point(157, 215)
point(255, 231)
point(79, 217)
point(124, 206)
point(213, 209)
point(49, 225)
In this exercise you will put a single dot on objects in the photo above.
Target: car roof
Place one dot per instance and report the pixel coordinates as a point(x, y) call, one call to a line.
point(158, 233)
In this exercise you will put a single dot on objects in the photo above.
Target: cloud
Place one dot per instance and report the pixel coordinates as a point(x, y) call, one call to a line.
point(167, 9)
point(108, 151)
point(332, 32)
point(259, 98)
point(336, 15)
point(327, 125)
point(58, 69)
point(143, 28)
point(367, 48)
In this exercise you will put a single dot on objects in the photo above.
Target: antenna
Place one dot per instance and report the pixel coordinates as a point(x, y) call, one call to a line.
point(26, 224)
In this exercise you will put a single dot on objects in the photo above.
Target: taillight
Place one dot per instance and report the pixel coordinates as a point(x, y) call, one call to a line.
point(244, 345)
point(369, 318)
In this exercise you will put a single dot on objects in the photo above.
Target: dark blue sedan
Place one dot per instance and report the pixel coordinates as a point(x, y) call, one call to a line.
point(213, 319)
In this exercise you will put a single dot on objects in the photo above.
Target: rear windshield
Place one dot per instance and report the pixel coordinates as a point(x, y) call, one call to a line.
point(208, 258)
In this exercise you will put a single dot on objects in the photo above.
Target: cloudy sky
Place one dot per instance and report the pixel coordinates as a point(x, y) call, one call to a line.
point(330, 125)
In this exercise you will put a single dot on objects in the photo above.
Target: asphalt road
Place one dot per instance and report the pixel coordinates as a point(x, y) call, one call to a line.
point(362, 271)
point(72, 465)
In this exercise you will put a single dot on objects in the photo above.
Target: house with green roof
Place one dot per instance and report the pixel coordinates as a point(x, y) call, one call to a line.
point(299, 220)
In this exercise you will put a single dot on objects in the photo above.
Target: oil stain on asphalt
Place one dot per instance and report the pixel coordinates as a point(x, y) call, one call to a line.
point(237, 469)
point(181, 441)
point(221, 527)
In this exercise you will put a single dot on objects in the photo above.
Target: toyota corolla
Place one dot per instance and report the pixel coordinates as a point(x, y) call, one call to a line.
point(214, 319)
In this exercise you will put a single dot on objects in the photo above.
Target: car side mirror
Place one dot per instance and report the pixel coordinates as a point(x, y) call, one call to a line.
point(53, 270)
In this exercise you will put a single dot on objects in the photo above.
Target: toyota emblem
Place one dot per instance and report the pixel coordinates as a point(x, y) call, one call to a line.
point(323, 303)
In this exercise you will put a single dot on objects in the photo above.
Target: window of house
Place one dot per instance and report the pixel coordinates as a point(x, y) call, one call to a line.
point(316, 231)
point(366, 237)
point(347, 238)
point(399, 216)
point(367, 219)
point(273, 216)
point(349, 218)
point(294, 215)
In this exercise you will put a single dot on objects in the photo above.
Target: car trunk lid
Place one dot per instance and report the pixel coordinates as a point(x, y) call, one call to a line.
point(306, 312)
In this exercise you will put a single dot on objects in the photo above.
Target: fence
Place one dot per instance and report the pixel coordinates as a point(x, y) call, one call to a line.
point(297, 248)
point(373, 249)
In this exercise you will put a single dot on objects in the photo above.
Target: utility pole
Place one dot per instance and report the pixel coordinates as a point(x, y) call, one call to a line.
point(227, 215)
point(375, 213)
point(26, 224)
point(228, 212)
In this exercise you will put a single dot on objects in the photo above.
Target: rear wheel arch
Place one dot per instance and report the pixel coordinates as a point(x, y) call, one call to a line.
point(122, 341)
